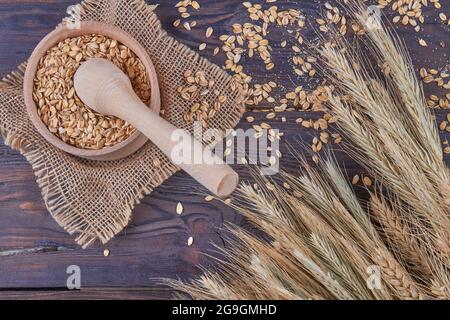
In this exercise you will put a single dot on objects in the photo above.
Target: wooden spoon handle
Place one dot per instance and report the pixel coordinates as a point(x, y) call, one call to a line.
point(214, 174)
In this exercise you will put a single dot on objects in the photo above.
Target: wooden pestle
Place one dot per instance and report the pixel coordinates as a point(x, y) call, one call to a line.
point(107, 90)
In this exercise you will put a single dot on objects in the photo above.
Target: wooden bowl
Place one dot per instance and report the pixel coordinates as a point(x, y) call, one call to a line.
point(62, 32)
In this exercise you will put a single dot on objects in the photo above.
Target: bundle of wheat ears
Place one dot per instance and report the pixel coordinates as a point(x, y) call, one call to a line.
point(325, 243)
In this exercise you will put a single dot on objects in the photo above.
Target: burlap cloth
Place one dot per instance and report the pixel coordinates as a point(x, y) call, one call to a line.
point(94, 200)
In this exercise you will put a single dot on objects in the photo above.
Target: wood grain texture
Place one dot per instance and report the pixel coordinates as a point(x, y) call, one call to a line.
point(120, 150)
point(35, 252)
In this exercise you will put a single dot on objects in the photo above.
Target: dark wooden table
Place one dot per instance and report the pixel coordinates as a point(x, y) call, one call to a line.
point(35, 252)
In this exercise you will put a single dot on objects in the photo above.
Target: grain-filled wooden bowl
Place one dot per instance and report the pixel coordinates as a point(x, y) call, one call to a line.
point(117, 151)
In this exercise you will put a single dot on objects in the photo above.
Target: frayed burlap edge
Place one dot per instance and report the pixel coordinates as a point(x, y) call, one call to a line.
point(54, 197)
